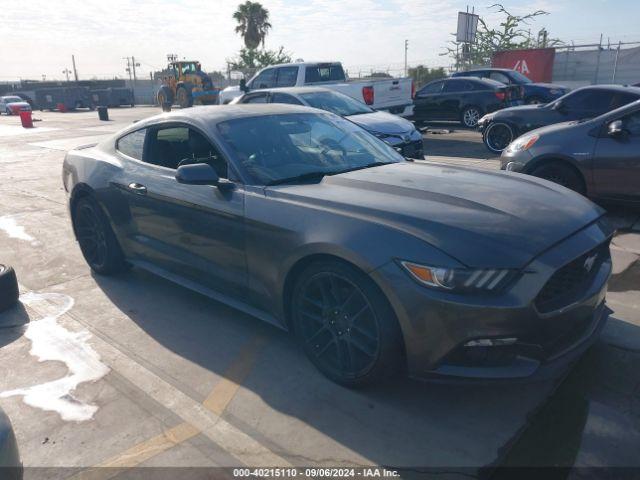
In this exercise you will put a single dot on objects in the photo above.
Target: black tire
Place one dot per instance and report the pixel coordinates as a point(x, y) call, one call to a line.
point(534, 101)
point(8, 288)
point(184, 98)
point(497, 136)
point(345, 324)
point(95, 236)
point(165, 95)
point(562, 175)
point(470, 116)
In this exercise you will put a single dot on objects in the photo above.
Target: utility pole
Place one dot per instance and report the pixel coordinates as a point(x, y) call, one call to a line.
point(128, 69)
point(66, 71)
point(75, 71)
point(134, 64)
point(406, 48)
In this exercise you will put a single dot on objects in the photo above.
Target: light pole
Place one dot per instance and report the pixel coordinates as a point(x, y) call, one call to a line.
point(66, 71)
point(406, 47)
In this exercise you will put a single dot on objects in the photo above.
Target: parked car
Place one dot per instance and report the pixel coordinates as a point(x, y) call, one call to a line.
point(303, 219)
point(13, 105)
point(401, 134)
point(461, 99)
point(499, 129)
point(10, 464)
point(599, 158)
point(388, 94)
point(532, 92)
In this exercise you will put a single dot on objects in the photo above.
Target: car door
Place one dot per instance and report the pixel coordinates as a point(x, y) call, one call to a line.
point(194, 231)
point(426, 101)
point(456, 94)
point(265, 79)
point(287, 77)
point(616, 160)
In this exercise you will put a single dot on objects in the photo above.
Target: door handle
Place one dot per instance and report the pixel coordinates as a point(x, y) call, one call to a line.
point(137, 188)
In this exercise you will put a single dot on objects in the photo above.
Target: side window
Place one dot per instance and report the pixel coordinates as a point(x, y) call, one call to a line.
point(434, 87)
point(287, 76)
point(455, 86)
point(132, 144)
point(632, 123)
point(621, 99)
point(256, 98)
point(596, 102)
point(266, 79)
point(172, 147)
point(284, 98)
point(500, 77)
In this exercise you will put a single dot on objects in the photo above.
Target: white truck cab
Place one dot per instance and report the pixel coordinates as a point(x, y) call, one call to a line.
point(394, 95)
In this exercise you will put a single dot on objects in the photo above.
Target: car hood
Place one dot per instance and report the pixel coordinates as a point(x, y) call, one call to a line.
point(17, 104)
point(520, 109)
point(382, 122)
point(480, 218)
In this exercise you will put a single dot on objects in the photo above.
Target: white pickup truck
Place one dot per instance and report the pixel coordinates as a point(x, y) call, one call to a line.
point(394, 95)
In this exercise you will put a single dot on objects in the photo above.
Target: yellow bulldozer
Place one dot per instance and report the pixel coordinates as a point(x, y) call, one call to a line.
point(184, 83)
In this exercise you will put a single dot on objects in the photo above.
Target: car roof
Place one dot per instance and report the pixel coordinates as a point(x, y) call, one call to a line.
point(488, 69)
point(212, 114)
point(618, 88)
point(486, 81)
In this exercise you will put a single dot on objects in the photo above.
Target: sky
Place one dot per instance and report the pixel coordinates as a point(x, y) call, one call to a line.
point(38, 37)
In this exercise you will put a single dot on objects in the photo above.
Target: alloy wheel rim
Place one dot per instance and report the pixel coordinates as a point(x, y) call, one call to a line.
point(91, 237)
point(471, 117)
point(338, 325)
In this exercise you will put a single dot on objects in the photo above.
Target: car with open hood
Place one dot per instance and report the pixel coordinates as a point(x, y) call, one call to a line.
point(376, 264)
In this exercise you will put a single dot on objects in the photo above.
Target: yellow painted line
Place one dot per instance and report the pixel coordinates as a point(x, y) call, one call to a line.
point(139, 453)
point(216, 401)
point(226, 389)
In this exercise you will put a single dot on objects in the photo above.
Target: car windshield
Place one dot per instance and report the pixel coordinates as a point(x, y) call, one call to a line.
point(519, 77)
point(335, 103)
point(12, 99)
point(294, 147)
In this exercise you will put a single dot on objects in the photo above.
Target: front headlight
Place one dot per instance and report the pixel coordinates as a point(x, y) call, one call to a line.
point(523, 143)
point(460, 279)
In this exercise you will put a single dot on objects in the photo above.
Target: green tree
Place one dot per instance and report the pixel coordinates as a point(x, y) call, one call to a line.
point(253, 59)
point(253, 23)
point(510, 34)
point(421, 74)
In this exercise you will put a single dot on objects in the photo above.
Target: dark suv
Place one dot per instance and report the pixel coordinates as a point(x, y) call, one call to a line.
point(500, 128)
point(531, 92)
point(462, 99)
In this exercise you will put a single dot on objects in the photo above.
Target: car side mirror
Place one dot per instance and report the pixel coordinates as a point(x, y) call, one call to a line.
point(560, 107)
point(197, 174)
point(616, 129)
point(243, 85)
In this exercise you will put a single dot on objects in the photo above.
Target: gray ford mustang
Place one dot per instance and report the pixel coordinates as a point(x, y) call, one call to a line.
point(309, 222)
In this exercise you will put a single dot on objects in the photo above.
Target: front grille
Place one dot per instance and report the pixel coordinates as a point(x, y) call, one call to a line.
point(566, 285)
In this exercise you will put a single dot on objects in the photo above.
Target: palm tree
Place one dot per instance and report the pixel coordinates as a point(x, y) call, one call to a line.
point(253, 23)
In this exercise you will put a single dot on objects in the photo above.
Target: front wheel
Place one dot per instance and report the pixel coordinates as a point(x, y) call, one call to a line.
point(562, 175)
point(97, 241)
point(183, 97)
point(497, 137)
point(470, 117)
point(345, 325)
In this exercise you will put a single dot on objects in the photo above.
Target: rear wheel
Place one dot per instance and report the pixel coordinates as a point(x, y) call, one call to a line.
point(184, 98)
point(562, 175)
point(345, 325)
point(470, 117)
point(97, 241)
point(497, 137)
point(165, 95)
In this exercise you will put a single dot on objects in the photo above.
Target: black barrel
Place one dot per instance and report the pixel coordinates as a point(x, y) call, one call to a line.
point(103, 113)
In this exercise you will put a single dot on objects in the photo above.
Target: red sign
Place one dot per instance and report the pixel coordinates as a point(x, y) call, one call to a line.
point(536, 64)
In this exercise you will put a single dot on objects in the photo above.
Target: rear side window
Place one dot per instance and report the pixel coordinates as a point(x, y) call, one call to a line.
point(632, 123)
point(454, 86)
point(621, 99)
point(435, 87)
point(284, 98)
point(287, 76)
point(500, 77)
point(257, 98)
point(330, 72)
point(594, 102)
point(132, 144)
